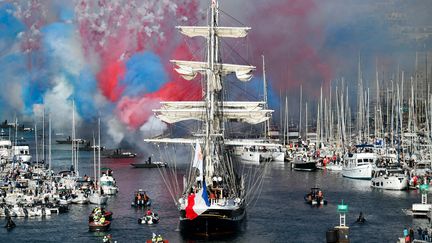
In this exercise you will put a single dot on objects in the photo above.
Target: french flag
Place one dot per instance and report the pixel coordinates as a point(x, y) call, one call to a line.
point(197, 203)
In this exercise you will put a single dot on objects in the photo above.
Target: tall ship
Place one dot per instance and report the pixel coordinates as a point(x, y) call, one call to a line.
point(213, 198)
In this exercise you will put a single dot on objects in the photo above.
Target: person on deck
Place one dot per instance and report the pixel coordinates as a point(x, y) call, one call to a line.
point(146, 198)
point(102, 220)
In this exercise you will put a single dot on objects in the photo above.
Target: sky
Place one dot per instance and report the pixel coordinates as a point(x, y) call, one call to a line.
point(111, 57)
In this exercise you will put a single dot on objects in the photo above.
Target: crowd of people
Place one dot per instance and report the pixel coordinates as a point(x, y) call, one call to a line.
point(98, 215)
point(422, 234)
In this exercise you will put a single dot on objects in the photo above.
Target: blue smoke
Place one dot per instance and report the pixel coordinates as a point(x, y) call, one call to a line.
point(83, 81)
point(145, 73)
point(10, 27)
point(84, 91)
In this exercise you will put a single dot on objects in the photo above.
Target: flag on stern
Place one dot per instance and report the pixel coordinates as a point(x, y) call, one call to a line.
point(197, 203)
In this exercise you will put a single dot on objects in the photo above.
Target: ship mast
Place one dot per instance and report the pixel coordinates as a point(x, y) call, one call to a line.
point(212, 93)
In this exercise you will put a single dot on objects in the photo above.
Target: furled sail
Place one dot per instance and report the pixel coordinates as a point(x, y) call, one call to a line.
point(189, 69)
point(249, 112)
point(204, 31)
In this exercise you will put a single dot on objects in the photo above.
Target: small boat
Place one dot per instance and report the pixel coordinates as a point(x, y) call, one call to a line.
point(315, 197)
point(141, 199)
point(80, 198)
point(107, 215)
point(149, 218)
point(302, 162)
point(99, 220)
point(333, 167)
point(156, 239)
point(108, 183)
point(68, 140)
point(97, 198)
point(156, 164)
point(99, 227)
point(118, 154)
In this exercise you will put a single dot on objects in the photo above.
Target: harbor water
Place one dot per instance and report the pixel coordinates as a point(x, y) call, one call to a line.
point(279, 215)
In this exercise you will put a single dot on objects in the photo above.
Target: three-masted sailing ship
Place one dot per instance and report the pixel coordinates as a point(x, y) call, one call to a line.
point(214, 196)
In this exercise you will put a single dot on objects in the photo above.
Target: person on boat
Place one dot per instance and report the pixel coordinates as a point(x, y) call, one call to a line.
point(320, 196)
point(159, 239)
point(102, 220)
point(107, 239)
point(146, 198)
point(149, 160)
point(9, 224)
point(138, 199)
point(411, 233)
point(212, 196)
point(361, 218)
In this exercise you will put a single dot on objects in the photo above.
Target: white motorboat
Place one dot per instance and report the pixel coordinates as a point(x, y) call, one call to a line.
point(422, 168)
point(21, 153)
point(5, 146)
point(303, 162)
point(359, 165)
point(334, 167)
point(80, 198)
point(97, 198)
point(17, 211)
point(389, 179)
point(108, 184)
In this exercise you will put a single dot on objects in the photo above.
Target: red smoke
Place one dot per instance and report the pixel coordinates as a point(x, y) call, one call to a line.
point(108, 78)
point(135, 111)
point(293, 49)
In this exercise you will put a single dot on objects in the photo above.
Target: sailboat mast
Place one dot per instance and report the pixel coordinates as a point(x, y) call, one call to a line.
point(306, 120)
point(99, 149)
point(43, 134)
point(94, 162)
point(300, 115)
point(267, 122)
point(286, 136)
point(49, 141)
point(36, 142)
point(16, 132)
point(74, 142)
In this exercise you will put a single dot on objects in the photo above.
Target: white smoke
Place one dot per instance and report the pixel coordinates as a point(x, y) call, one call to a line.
point(116, 130)
point(153, 127)
point(59, 107)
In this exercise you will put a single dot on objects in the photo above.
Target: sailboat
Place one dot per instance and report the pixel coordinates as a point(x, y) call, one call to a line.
point(214, 197)
point(96, 197)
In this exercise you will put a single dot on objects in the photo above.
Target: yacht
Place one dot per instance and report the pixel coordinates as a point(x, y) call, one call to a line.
point(389, 178)
point(5, 146)
point(108, 184)
point(359, 165)
point(21, 152)
point(303, 162)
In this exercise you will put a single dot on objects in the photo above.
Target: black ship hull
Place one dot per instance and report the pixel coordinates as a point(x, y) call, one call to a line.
point(304, 166)
point(213, 223)
point(147, 165)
